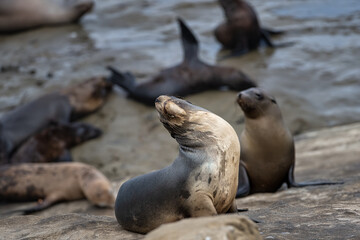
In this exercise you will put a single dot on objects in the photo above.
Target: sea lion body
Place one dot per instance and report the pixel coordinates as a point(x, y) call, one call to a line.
point(267, 146)
point(54, 182)
point(241, 32)
point(202, 181)
point(18, 15)
point(53, 143)
point(190, 76)
point(69, 104)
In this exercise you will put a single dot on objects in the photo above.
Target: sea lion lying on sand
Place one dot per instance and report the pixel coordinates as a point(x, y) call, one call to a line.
point(19, 15)
point(54, 182)
point(190, 76)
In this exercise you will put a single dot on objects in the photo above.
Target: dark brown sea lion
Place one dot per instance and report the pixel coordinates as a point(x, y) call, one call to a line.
point(202, 181)
point(69, 104)
point(54, 182)
point(18, 15)
point(52, 144)
point(267, 147)
point(241, 31)
point(190, 76)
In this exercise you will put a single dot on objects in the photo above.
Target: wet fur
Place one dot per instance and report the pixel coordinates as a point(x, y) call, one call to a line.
point(201, 181)
point(190, 76)
point(54, 182)
point(241, 31)
point(53, 143)
point(71, 103)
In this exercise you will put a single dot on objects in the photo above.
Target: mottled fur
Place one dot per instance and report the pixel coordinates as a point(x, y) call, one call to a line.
point(202, 181)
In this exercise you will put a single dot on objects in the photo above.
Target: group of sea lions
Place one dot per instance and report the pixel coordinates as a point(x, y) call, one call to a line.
point(214, 165)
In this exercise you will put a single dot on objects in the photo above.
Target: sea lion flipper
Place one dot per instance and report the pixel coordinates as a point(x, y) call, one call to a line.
point(125, 80)
point(243, 183)
point(265, 36)
point(270, 31)
point(189, 42)
point(291, 181)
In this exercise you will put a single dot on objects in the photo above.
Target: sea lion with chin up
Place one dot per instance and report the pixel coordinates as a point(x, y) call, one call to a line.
point(201, 181)
point(267, 147)
point(52, 183)
point(19, 15)
point(190, 76)
point(53, 143)
point(68, 104)
point(241, 32)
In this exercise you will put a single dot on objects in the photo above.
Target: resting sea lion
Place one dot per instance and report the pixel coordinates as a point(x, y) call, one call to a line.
point(267, 146)
point(242, 32)
point(18, 15)
point(69, 104)
point(201, 181)
point(53, 143)
point(190, 76)
point(54, 182)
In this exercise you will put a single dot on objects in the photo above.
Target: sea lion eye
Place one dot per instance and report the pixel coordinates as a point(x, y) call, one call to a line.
point(259, 96)
point(273, 100)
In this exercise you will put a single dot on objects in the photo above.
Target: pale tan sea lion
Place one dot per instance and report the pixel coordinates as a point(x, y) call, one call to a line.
point(19, 15)
point(53, 183)
point(202, 181)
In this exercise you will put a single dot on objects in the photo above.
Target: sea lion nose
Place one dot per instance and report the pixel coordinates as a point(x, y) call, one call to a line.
point(239, 95)
point(157, 100)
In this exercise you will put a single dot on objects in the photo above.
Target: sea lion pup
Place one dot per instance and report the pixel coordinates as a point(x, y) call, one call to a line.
point(69, 104)
point(19, 15)
point(267, 146)
point(242, 32)
point(190, 76)
point(53, 183)
point(52, 144)
point(202, 181)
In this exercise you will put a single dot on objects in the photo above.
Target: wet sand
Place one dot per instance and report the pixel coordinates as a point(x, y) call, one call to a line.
point(316, 81)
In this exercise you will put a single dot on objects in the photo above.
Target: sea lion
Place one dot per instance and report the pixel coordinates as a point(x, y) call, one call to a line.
point(267, 146)
point(202, 181)
point(68, 104)
point(53, 143)
point(242, 32)
point(19, 15)
point(54, 182)
point(190, 76)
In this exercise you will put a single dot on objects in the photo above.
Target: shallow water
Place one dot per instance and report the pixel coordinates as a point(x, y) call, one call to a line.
point(316, 81)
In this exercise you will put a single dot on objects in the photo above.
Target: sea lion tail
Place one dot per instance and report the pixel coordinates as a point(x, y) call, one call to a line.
point(189, 42)
point(123, 79)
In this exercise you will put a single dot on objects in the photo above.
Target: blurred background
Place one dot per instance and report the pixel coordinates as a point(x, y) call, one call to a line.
point(316, 81)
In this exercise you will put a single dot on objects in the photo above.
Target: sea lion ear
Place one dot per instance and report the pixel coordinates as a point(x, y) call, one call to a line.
point(173, 110)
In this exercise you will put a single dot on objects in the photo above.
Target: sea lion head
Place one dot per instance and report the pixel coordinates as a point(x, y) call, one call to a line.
point(255, 103)
point(83, 132)
point(190, 125)
point(88, 96)
point(77, 8)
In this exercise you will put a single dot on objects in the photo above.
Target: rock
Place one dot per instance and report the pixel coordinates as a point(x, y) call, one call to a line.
point(69, 226)
point(318, 212)
point(210, 228)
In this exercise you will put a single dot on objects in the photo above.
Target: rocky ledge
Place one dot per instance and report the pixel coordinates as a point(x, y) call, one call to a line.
point(318, 212)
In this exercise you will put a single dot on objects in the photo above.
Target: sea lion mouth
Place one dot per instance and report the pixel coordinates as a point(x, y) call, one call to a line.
point(169, 108)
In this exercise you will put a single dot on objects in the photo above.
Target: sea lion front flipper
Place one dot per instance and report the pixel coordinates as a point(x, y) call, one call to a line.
point(46, 203)
point(203, 206)
point(270, 31)
point(65, 157)
point(243, 183)
point(265, 36)
point(189, 42)
point(291, 181)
